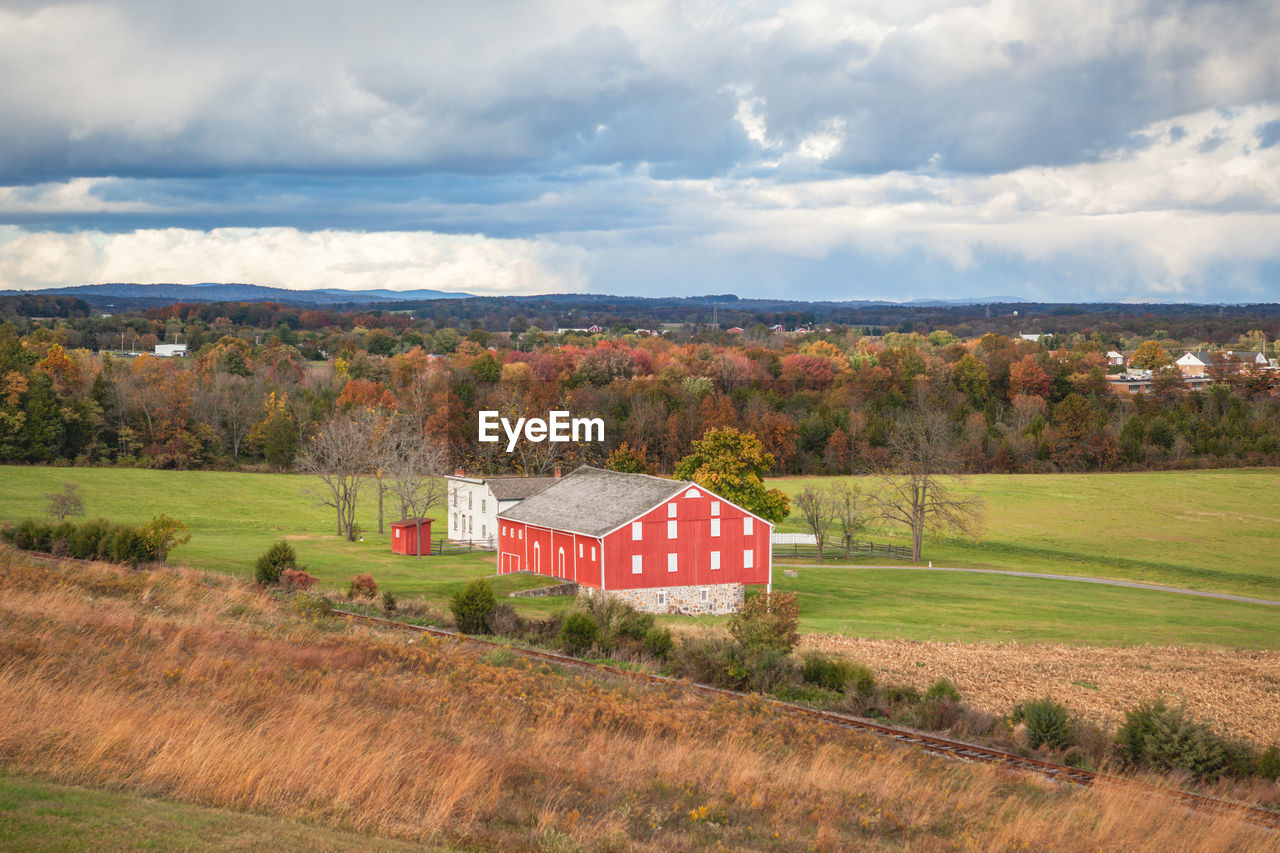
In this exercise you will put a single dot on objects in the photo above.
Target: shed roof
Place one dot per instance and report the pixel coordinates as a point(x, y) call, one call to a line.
point(592, 501)
point(411, 522)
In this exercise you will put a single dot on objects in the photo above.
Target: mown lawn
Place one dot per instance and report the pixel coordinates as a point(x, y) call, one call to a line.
point(38, 815)
point(1207, 530)
point(1210, 530)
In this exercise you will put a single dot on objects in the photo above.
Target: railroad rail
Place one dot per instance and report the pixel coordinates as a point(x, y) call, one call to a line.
point(946, 747)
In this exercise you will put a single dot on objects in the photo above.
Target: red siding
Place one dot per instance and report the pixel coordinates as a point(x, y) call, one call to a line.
point(404, 538)
point(692, 546)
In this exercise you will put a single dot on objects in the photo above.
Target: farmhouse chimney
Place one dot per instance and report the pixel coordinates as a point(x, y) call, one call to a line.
point(557, 472)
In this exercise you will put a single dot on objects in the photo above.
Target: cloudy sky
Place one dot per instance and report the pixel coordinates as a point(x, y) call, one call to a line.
point(1099, 149)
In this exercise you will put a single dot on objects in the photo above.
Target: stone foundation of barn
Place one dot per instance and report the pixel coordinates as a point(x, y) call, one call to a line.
point(721, 598)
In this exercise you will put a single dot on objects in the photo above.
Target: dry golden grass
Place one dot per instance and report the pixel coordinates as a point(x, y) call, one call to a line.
point(196, 689)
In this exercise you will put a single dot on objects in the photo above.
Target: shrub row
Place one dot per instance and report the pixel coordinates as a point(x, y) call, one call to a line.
point(96, 539)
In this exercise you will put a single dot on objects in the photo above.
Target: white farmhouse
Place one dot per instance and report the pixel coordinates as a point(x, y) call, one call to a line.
point(474, 503)
point(171, 350)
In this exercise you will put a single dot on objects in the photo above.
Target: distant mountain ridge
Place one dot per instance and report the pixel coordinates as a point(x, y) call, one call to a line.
point(152, 295)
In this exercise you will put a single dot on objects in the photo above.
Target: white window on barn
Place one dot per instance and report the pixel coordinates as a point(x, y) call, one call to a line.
point(662, 598)
point(715, 527)
point(748, 559)
point(636, 528)
point(715, 507)
point(746, 525)
point(593, 553)
point(693, 493)
point(397, 532)
point(671, 529)
point(704, 595)
point(637, 564)
point(671, 562)
point(671, 510)
point(715, 560)
point(521, 532)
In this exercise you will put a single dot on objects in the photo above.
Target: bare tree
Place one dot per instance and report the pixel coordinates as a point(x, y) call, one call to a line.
point(66, 502)
point(818, 512)
point(854, 509)
point(413, 470)
point(340, 454)
point(919, 489)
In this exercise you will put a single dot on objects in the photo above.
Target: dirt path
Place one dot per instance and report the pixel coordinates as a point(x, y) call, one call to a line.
point(1236, 691)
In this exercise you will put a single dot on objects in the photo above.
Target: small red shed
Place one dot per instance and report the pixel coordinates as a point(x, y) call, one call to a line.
point(404, 536)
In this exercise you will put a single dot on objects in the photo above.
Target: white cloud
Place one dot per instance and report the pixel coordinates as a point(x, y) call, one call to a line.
point(286, 257)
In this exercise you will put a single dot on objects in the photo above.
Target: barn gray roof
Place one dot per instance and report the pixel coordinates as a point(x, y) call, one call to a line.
point(518, 488)
point(592, 501)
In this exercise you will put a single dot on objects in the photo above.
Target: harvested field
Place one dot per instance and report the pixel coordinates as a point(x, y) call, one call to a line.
point(1236, 691)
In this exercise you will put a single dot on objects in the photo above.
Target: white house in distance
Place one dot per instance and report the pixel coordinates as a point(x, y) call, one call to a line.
point(474, 503)
point(171, 350)
point(1199, 363)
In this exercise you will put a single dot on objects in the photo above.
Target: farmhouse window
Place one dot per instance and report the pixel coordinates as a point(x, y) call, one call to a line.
point(746, 526)
point(483, 532)
point(636, 527)
point(715, 507)
point(469, 497)
point(671, 562)
point(671, 510)
point(671, 529)
point(637, 564)
point(748, 559)
point(715, 560)
point(482, 504)
point(715, 527)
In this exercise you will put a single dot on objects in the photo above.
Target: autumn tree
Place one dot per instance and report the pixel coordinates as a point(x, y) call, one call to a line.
point(163, 534)
point(1151, 355)
point(628, 459)
point(919, 490)
point(733, 464)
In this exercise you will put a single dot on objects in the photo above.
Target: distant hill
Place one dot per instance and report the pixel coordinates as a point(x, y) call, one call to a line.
point(126, 295)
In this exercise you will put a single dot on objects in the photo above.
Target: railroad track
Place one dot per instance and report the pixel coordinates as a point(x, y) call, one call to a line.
point(953, 749)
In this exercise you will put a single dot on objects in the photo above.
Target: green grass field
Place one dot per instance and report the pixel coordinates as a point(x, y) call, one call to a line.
point(1206, 530)
point(1211, 530)
point(38, 815)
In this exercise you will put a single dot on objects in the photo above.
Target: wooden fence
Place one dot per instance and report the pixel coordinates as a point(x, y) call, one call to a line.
point(836, 551)
point(447, 546)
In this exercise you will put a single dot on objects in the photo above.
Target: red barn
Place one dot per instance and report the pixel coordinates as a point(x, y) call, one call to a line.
point(664, 546)
point(404, 536)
